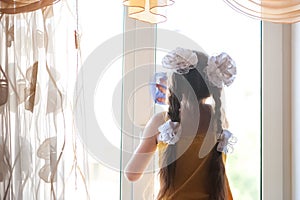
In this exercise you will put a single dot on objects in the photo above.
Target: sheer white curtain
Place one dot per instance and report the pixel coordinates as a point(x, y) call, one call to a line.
point(40, 156)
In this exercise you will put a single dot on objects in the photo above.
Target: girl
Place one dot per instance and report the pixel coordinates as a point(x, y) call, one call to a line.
point(190, 136)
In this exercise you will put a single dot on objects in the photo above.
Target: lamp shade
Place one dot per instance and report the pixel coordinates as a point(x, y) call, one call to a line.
point(151, 11)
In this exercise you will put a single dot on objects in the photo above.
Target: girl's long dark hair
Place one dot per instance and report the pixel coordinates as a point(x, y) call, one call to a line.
point(201, 90)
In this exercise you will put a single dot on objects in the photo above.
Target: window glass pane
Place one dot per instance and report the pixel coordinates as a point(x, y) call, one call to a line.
point(217, 28)
point(98, 25)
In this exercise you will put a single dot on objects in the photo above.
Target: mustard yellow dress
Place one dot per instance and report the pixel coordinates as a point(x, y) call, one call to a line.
point(191, 175)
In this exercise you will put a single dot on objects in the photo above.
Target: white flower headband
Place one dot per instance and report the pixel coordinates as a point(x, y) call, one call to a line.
point(180, 60)
point(220, 69)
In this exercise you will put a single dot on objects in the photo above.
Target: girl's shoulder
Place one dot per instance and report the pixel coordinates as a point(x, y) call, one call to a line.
point(151, 128)
point(159, 118)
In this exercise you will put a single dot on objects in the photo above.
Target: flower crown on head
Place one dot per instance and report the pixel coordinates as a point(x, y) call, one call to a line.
point(220, 69)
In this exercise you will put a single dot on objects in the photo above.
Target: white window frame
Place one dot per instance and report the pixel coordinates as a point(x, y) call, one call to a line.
point(135, 39)
point(280, 111)
point(295, 42)
point(275, 111)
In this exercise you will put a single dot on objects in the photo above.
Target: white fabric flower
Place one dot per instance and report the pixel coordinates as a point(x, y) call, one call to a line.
point(169, 132)
point(226, 142)
point(220, 70)
point(180, 60)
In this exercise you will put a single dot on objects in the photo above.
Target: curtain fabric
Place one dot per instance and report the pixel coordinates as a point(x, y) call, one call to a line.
point(151, 11)
point(40, 155)
point(279, 11)
point(19, 6)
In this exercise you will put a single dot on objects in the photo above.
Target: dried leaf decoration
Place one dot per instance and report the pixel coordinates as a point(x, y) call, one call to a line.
point(10, 36)
point(3, 88)
point(30, 92)
point(47, 151)
point(4, 166)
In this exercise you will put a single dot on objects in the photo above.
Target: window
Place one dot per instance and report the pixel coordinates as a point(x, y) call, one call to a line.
point(215, 31)
point(216, 27)
point(103, 181)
